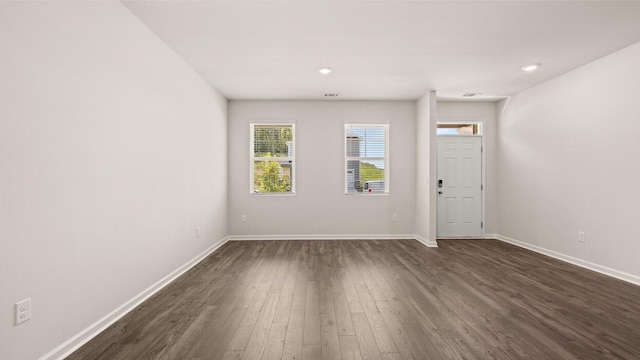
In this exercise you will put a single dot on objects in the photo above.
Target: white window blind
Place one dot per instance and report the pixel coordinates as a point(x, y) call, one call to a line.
point(272, 159)
point(366, 159)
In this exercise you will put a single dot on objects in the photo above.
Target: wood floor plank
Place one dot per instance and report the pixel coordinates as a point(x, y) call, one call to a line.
point(275, 344)
point(312, 315)
point(341, 306)
point(219, 336)
point(294, 337)
point(264, 273)
point(363, 249)
point(245, 329)
point(378, 327)
point(328, 324)
point(342, 273)
point(231, 355)
point(286, 293)
point(260, 334)
point(391, 356)
point(443, 318)
point(350, 348)
point(299, 298)
point(439, 321)
point(368, 347)
point(311, 352)
point(379, 300)
point(181, 347)
point(403, 341)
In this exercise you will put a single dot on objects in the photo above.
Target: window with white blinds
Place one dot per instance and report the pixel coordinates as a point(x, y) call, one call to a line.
point(366, 159)
point(272, 159)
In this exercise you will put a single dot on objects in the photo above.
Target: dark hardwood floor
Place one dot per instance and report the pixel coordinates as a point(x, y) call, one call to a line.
point(379, 300)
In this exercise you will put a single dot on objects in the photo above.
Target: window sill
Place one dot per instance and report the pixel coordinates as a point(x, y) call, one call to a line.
point(272, 194)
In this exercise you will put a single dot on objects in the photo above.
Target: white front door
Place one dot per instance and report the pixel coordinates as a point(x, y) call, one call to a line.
point(459, 186)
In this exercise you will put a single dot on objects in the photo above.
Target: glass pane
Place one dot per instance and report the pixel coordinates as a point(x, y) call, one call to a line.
point(447, 131)
point(273, 176)
point(459, 129)
point(273, 140)
point(366, 141)
point(366, 147)
point(365, 176)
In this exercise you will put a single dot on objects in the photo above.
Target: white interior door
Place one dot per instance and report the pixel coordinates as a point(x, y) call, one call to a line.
point(459, 186)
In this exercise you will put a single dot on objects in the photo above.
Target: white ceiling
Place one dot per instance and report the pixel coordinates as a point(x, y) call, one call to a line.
point(386, 49)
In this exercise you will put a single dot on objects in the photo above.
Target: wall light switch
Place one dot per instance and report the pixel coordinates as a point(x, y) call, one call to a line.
point(581, 236)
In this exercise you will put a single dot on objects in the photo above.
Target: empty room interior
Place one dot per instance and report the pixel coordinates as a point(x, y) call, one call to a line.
point(319, 180)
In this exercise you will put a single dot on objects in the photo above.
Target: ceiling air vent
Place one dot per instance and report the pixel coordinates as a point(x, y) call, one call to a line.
point(331, 95)
point(470, 94)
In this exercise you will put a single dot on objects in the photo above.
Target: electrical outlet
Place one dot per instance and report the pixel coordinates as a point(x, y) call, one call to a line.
point(197, 232)
point(581, 236)
point(394, 217)
point(243, 218)
point(23, 311)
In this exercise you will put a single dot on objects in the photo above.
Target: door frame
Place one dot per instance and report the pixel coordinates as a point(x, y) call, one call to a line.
point(482, 137)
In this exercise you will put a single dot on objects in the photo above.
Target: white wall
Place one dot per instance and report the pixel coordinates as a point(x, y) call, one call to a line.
point(568, 162)
point(112, 151)
point(426, 156)
point(320, 206)
point(486, 112)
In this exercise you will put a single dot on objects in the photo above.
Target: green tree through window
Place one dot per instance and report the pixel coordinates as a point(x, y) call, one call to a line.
point(271, 178)
point(272, 158)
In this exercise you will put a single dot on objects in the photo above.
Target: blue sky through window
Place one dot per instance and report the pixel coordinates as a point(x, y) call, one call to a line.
point(448, 131)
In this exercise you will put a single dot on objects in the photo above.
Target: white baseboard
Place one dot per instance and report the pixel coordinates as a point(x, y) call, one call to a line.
point(575, 261)
point(490, 236)
point(325, 237)
point(426, 242)
point(71, 345)
point(337, 237)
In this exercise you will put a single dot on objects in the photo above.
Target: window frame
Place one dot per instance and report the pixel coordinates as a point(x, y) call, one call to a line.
point(253, 159)
point(385, 158)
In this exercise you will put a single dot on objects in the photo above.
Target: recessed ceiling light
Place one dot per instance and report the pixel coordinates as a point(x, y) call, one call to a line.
point(530, 68)
point(324, 70)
